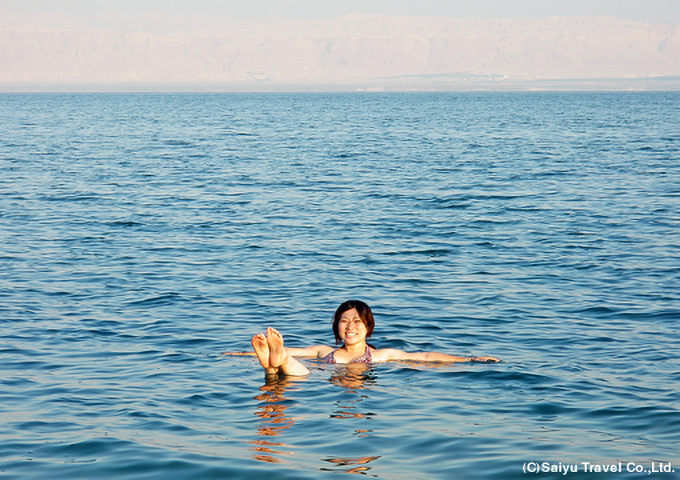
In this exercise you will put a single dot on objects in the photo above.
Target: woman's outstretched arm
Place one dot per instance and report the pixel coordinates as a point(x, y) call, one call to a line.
point(391, 354)
point(313, 351)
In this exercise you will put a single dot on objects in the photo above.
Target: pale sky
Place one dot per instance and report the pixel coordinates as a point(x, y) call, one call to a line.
point(649, 11)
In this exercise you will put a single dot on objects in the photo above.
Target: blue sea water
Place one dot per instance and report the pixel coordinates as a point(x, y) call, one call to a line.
point(143, 235)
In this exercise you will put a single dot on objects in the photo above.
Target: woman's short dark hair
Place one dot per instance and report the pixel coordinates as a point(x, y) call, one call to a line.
point(365, 314)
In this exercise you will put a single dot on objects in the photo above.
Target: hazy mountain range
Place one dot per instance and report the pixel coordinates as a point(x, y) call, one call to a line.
point(357, 51)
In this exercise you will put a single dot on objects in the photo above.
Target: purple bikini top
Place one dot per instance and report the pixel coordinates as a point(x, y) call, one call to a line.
point(365, 358)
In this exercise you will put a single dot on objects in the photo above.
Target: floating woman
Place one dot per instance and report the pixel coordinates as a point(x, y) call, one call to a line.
point(352, 324)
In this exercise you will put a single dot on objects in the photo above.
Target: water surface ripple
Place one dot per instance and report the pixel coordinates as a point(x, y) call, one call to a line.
point(144, 235)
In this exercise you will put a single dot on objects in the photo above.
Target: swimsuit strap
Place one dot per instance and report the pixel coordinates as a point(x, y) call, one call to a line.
point(330, 358)
point(365, 358)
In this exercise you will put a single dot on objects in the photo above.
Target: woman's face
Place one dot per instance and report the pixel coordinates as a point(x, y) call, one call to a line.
point(351, 328)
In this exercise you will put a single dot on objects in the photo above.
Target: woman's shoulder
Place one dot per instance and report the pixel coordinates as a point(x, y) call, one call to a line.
point(323, 350)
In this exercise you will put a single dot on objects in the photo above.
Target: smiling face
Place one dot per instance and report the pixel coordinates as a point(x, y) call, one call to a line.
point(351, 327)
point(353, 309)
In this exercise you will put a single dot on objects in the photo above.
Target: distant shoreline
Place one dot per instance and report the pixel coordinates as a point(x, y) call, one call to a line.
point(654, 84)
point(349, 53)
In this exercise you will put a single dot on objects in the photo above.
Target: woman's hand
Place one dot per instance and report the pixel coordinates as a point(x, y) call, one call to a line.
point(484, 359)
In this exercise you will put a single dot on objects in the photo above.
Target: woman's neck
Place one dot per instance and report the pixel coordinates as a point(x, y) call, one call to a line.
point(356, 348)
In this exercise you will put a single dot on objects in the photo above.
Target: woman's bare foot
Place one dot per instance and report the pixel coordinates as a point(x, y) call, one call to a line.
point(277, 353)
point(279, 359)
point(261, 348)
